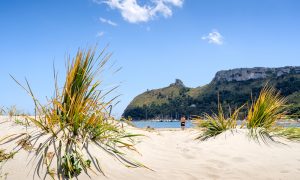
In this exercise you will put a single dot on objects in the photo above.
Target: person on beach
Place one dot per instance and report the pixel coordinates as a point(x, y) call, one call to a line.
point(182, 122)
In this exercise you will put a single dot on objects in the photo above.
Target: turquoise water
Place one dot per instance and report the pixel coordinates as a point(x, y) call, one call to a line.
point(157, 124)
point(176, 124)
point(289, 124)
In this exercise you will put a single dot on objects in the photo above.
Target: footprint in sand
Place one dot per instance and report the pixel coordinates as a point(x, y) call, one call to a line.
point(217, 162)
point(239, 159)
point(190, 177)
point(185, 150)
point(284, 171)
point(182, 149)
point(188, 156)
point(197, 149)
point(213, 176)
point(210, 169)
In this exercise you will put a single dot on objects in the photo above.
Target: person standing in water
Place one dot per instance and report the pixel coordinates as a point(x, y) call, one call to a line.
point(182, 122)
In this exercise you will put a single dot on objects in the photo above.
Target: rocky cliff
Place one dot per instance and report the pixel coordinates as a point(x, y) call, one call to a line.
point(244, 74)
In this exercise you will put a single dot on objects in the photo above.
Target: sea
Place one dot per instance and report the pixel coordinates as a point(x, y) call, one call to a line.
point(189, 124)
point(161, 124)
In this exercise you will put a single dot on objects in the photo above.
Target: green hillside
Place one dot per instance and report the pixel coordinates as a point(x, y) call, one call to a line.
point(175, 100)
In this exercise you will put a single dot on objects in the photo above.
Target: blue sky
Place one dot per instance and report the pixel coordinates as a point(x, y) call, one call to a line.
point(153, 41)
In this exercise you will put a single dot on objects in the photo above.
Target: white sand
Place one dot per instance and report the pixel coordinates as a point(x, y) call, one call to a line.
point(174, 154)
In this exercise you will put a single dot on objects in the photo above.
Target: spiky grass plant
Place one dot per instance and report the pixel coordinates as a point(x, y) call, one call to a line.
point(264, 113)
point(12, 111)
point(290, 133)
point(2, 111)
point(76, 117)
point(215, 124)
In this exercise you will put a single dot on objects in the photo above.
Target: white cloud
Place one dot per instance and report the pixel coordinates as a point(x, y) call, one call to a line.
point(100, 34)
point(178, 3)
point(134, 12)
point(214, 37)
point(97, 1)
point(107, 21)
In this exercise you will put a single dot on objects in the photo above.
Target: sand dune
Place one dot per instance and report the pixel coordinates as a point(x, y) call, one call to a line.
point(174, 154)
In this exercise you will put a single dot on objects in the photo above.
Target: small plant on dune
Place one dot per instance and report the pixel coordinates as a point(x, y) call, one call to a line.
point(26, 144)
point(12, 111)
point(6, 156)
point(76, 117)
point(127, 121)
point(3, 176)
point(215, 124)
point(3, 158)
point(22, 122)
point(290, 133)
point(71, 165)
point(2, 111)
point(264, 113)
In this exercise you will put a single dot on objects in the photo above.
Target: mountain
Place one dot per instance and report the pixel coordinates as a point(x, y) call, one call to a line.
point(233, 88)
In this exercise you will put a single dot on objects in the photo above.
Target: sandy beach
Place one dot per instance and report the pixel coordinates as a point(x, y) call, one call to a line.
point(103, 89)
point(174, 154)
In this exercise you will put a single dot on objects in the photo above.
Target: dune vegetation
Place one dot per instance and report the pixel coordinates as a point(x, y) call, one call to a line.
point(2, 111)
point(261, 120)
point(4, 156)
point(265, 112)
point(75, 118)
point(290, 133)
point(215, 124)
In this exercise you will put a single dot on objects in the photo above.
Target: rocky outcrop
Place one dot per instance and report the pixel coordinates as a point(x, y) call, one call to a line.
point(244, 74)
point(178, 82)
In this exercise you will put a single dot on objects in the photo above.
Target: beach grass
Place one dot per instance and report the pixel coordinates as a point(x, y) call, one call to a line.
point(2, 111)
point(77, 116)
point(215, 124)
point(290, 133)
point(261, 119)
point(264, 112)
point(267, 109)
point(12, 111)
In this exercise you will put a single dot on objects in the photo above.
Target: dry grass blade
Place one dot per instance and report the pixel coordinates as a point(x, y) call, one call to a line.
point(6, 156)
